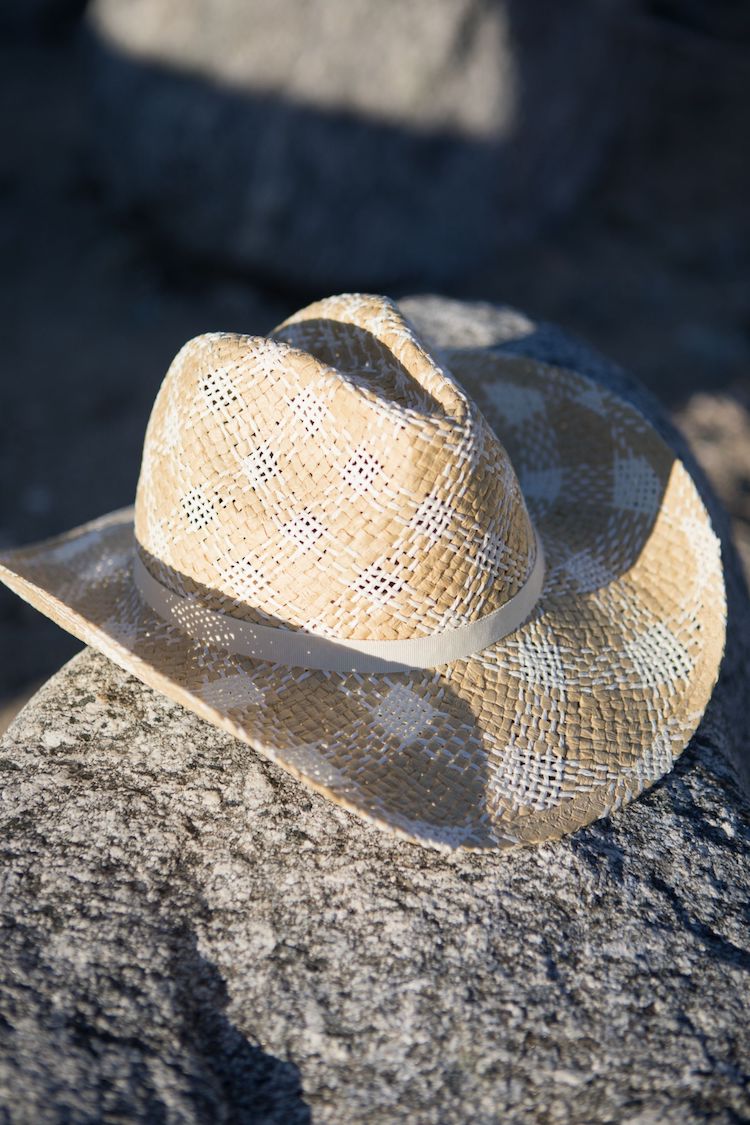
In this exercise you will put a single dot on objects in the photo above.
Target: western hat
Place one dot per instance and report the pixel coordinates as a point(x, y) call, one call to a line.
point(471, 597)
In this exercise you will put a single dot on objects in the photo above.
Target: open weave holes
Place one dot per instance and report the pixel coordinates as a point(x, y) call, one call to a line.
point(335, 477)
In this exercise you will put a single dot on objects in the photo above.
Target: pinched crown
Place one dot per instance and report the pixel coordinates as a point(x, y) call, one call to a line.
point(332, 478)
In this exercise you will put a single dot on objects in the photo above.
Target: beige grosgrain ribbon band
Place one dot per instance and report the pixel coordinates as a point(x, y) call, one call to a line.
point(311, 650)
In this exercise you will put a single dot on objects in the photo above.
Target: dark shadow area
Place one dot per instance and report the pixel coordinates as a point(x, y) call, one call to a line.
point(597, 846)
point(363, 358)
point(717, 946)
point(244, 1084)
point(367, 362)
point(46, 21)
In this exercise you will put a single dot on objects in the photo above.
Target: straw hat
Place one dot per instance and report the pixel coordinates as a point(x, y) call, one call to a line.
point(471, 636)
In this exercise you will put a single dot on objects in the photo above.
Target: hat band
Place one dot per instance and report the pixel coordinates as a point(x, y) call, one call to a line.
point(329, 654)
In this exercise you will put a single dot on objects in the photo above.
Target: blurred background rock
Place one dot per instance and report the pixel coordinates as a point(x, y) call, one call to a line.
point(170, 168)
point(342, 143)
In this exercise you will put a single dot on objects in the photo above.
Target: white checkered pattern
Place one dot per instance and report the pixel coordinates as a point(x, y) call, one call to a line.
point(537, 660)
point(433, 518)
point(218, 391)
point(245, 581)
point(309, 409)
point(515, 403)
point(542, 485)
point(198, 510)
point(379, 585)
point(657, 658)
point(362, 473)
point(493, 554)
point(232, 693)
point(403, 715)
point(530, 777)
point(636, 486)
point(305, 531)
point(261, 465)
point(587, 572)
point(310, 761)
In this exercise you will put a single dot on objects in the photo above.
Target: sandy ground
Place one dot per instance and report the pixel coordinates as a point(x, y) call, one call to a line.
point(652, 268)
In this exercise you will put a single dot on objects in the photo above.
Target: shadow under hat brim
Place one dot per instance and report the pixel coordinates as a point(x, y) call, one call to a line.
point(561, 722)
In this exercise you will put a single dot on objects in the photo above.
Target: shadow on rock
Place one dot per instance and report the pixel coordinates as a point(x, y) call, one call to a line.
point(235, 1080)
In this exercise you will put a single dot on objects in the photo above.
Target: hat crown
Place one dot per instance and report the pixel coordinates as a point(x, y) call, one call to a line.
point(332, 478)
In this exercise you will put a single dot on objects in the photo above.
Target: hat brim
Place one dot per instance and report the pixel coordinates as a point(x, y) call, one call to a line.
point(561, 722)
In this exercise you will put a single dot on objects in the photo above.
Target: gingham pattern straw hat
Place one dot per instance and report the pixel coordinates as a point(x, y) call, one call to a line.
point(475, 621)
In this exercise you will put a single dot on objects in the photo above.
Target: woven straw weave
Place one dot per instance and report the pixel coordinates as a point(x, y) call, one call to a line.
point(337, 478)
point(333, 479)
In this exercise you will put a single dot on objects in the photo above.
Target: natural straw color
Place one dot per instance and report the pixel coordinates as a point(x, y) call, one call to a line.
point(335, 478)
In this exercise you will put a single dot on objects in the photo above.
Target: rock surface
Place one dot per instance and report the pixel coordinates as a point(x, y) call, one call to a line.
point(190, 936)
point(351, 144)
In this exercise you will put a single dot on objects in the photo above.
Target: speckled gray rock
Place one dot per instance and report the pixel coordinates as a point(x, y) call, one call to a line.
point(190, 936)
point(339, 143)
